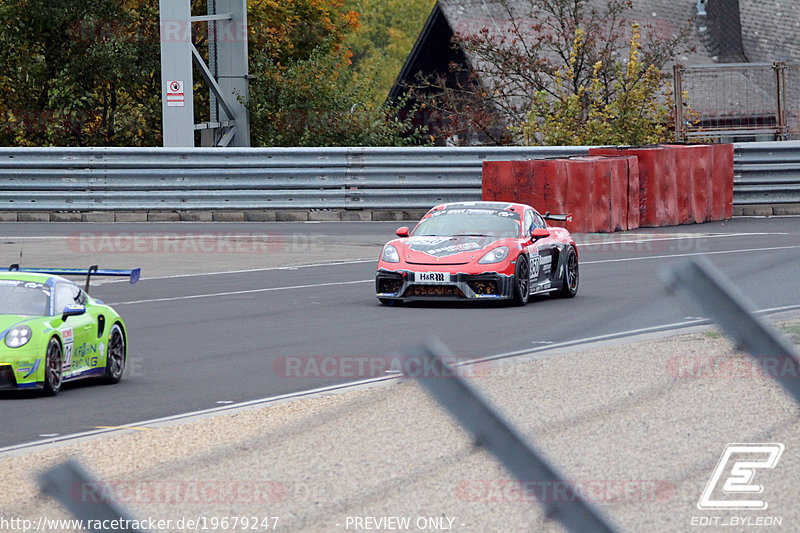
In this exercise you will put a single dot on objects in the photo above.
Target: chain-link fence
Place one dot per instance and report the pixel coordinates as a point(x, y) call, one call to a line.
point(737, 102)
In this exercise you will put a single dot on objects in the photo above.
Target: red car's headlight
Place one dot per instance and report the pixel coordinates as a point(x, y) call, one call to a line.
point(495, 256)
point(390, 254)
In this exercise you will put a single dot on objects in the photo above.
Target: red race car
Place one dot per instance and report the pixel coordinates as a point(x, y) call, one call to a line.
point(479, 251)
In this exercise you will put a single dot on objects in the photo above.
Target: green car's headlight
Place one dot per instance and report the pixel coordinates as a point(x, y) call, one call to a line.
point(18, 336)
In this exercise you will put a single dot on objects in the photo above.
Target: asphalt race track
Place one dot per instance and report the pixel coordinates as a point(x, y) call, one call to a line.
point(198, 340)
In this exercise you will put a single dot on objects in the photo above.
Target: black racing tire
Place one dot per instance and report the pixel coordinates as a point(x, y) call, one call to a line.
point(571, 275)
point(53, 368)
point(116, 356)
point(521, 284)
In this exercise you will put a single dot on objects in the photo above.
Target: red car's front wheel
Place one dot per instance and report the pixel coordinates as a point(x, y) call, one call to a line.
point(522, 281)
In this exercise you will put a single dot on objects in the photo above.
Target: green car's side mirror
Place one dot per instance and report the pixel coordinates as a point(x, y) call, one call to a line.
point(73, 310)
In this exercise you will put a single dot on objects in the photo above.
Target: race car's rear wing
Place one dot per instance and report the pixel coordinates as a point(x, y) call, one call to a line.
point(134, 274)
point(557, 218)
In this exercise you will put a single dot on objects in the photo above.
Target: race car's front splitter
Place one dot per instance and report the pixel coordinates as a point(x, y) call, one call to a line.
point(399, 285)
point(9, 380)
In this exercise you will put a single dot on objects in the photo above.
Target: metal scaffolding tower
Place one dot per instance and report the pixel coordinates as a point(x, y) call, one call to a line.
point(225, 74)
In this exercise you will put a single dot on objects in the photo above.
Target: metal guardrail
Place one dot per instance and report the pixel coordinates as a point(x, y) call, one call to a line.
point(88, 179)
point(97, 179)
point(766, 173)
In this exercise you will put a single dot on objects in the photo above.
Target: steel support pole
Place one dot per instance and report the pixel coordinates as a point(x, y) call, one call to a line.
point(177, 102)
point(232, 65)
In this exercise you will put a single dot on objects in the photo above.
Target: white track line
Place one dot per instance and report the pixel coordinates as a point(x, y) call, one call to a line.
point(720, 252)
point(244, 271)
point(344, 386)
point(332, 284)
point(605, 239)
point(249, 291)
point(190, 414)
point(623, 334)
point(645, 238)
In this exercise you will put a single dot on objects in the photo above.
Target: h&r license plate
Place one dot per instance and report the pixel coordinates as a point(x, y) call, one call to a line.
point(432, 277)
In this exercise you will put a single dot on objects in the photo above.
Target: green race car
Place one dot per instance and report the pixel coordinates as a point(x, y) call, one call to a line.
point(53, 332)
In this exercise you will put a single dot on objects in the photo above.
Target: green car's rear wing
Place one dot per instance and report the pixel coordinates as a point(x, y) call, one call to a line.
point(134, 274)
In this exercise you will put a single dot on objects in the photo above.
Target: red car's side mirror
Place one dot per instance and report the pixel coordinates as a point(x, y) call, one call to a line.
point(539, 233)
point(402, 232)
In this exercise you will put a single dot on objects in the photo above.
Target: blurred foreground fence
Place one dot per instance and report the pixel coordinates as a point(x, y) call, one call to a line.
point(697, 281)
point(98, 179)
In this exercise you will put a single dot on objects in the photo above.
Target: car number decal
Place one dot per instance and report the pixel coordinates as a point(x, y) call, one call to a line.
point(67, 338)
point(535, 260)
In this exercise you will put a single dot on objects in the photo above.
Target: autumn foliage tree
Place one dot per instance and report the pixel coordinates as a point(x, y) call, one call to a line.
point(79, 73)
point(385, 37)
point(88, 74)
point(556, 72)
point(305, 91)
point(637, 115)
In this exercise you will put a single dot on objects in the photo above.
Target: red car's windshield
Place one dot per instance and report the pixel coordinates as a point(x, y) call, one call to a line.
point(24, 298)
point(448, 223)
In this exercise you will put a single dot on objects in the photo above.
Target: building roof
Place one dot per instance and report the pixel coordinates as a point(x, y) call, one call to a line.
point(720, 32)
point(771, 30)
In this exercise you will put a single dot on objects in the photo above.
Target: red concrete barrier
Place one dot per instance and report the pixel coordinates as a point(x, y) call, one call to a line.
point(722, 181)
point(648, 186)
point(502, 178)
point(694, 178)
point(658, 198)
point(595, 190)
point(684, 177)
point(682, 184)
point(632, 213)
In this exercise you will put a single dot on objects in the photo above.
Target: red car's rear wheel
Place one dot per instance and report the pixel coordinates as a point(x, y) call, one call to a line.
point(571, 275)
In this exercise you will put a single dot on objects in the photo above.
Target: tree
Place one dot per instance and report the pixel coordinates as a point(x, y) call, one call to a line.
point(386, 34)
point(636, 116)
point(553, 64)
point(79, 74)
point(88, 74)
point(305, 91)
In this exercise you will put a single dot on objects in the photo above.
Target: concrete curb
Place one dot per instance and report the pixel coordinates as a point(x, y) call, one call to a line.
point(766, 210)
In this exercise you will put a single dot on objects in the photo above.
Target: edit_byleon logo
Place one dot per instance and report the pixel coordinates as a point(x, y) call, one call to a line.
point(732, 485)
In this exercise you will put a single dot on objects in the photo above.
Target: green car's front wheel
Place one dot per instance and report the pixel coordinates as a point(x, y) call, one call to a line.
point(53, 368)
point(115, 361)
